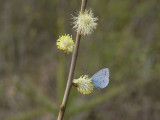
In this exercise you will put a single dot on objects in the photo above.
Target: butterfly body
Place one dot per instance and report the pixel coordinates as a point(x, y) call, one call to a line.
point(101, 78)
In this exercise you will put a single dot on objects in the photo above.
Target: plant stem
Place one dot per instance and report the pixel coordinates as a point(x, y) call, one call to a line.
point(72, 68)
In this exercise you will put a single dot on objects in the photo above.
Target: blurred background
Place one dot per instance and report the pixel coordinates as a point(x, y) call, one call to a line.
point(33, 73)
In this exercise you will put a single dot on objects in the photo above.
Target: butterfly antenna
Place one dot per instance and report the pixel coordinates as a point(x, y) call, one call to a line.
point(86, 70)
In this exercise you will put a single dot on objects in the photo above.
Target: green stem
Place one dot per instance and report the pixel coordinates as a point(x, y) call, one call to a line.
point(72, 68)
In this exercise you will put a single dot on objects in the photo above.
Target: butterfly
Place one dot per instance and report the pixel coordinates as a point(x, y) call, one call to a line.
point(101, 78)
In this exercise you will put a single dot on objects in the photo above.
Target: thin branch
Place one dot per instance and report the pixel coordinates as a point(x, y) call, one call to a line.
point(72, 68)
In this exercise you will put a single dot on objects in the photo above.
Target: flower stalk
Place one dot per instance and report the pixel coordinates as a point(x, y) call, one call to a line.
point(72, 68)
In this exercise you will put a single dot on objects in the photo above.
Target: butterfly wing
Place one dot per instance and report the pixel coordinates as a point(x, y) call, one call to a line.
point(101, 78)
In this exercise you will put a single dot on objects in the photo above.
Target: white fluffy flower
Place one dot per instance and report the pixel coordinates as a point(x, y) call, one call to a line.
point(85, 23)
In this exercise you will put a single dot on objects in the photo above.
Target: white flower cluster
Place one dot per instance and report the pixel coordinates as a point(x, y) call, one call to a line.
point(85, 23)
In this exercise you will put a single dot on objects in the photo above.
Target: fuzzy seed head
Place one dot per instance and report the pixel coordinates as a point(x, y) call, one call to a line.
point(85, 23)
point(66, 43)
point(84, 84)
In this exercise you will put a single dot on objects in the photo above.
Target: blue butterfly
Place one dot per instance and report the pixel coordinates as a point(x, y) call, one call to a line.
point(101, 78)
